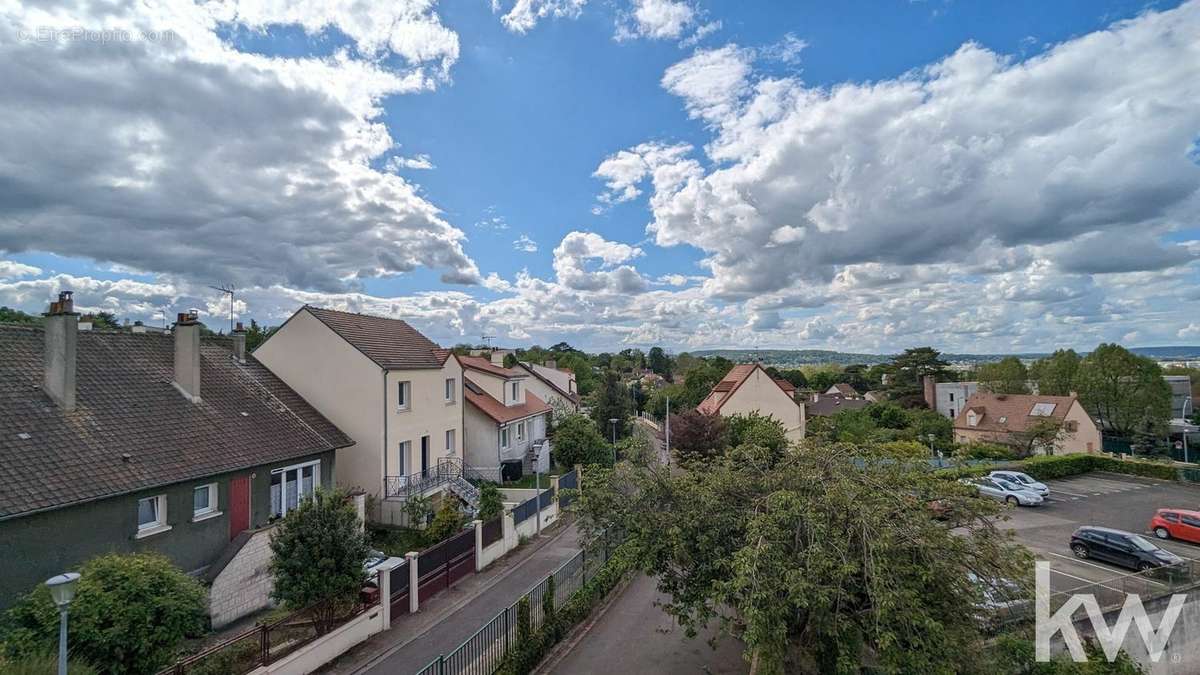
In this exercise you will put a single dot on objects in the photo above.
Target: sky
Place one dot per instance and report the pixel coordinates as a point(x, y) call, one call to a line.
point(860, 176)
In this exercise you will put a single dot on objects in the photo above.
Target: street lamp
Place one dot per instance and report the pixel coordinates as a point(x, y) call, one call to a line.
point(62, 590)
point(932, 438)
point(612, 421)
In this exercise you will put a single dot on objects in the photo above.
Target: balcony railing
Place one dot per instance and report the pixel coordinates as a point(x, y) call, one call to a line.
point(447, 469)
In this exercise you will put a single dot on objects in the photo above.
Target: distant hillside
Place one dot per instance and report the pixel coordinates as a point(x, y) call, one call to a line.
point(802, 357)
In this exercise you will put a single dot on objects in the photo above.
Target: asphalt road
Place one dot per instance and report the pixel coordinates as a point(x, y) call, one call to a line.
point(1098, 498)
point(635, 636)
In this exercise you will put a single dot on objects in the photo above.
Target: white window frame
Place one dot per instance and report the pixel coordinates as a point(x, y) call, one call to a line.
point(520, 431)
point(515, 390)
point(451, 441)
point(300, 497)
point(211, 511)
point(404, 395)
point(504, 437)
point(160, 523)
point(451, 385)
point(404, 453)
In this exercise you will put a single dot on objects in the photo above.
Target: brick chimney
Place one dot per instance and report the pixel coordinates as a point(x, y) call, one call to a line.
point(551, 363)
point(239, 343)
point(930, 386)
point(62, 335)
point(187, 356)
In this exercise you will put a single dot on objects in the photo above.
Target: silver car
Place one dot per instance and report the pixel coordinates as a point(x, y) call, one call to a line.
point(1007, 492)
point(1021, 479)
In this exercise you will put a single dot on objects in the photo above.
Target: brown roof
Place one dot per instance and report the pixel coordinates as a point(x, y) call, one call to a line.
point(724, 390)
point(785, 385)
point(830, 404)
point(845, 390)
point(1011, 412)
point(390, 343)
point(502, 414)
point(483, 365)
point(570, 396)
point(126, 405)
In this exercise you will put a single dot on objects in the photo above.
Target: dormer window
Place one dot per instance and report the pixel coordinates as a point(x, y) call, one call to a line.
point(972, 418)
point(514, 393)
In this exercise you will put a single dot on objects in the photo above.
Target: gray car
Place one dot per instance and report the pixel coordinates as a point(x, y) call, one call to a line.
point(1012, 493)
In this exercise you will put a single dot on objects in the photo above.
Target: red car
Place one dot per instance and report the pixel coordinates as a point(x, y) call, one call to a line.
point(1176, 524)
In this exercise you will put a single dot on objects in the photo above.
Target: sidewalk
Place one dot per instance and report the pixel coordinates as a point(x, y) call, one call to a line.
point(445, 621)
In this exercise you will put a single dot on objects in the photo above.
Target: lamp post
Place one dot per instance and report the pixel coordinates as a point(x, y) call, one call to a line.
point(932, 450)
point(1183, 411)
point(62, 590)
point(612, 421)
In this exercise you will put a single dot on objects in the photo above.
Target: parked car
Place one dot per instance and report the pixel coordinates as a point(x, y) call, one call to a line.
point(1176, 524)
point(1120, 548)
point(1005, 491)
point(1003, 600)
point(1022, 479)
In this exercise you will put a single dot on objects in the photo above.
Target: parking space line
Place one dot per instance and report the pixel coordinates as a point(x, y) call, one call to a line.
point(1087, 582)
point(1100, 567)
point(1054, 489)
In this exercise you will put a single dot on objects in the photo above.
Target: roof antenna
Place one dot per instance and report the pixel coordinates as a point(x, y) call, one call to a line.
point(228, 291)
point(487, 340)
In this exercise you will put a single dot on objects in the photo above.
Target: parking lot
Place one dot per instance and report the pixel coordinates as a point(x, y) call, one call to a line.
point(1098, 498)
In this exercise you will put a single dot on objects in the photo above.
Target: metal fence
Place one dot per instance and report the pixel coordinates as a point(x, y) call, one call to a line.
point(266, 643)
point(1148, 585)
point(525, 510)
point(483, 652)
point(567, 484)
point(546, 499)
point(493, 531)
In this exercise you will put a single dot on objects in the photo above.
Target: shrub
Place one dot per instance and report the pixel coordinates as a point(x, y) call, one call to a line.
point(447, 523)
point(903, 450)
point(524, 620)
point(985, 451)
point(130, 613)
point(578, 441)
point(317, 558)
point(491, 502)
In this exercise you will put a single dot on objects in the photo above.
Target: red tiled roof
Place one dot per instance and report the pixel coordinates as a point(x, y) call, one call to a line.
point(485, 366)
point(1015, 409)
point(502, 414)
point(390, 343)
point(785, 385)
point(730, 383)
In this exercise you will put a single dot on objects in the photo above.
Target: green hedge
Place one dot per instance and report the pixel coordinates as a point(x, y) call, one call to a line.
point(526, 655)
point(1060, 466)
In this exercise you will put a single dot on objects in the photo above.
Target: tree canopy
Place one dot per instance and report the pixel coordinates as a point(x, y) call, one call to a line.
point(1055, 374)
point(908, 371)
point(1125, 392)
point(1006, 376)
point(578, 441)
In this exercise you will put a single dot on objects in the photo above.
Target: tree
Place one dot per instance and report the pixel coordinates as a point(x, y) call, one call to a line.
point(256, 335)
point(795, 376)
point(447, 522)
point(909, 371)
point(578, 441)
point(699, 381)
point(491, 502)
point(697, 437)
point(657, 404)
point(102, 321)
point(612, 401)
point(317, 555)
point(659, 362)
point(130, 613)
point(1006, 376)
point(1125, 392)
point(9, 315)
point(1055, 375)
point(822, 561)
point(638, 395)
point(758, 430)
point(822, 380)
point(1044, 434)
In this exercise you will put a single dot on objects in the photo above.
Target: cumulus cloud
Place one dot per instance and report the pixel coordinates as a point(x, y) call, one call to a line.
point(523, 15)
point(711, 81)
point(524, 243)
point(10, 269)
point(576, 250)
point(416, 162)
point(625, 170)
point(153, 171)
point(656, 20)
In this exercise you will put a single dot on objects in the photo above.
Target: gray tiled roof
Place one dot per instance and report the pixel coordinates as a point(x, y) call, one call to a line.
point(126, 404)
point(390, 343)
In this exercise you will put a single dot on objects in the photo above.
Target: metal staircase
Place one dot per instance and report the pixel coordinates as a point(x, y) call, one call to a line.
point(465, 491)
point(450, 472)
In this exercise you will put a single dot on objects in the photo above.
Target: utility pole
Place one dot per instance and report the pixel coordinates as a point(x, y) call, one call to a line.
point(668, 432)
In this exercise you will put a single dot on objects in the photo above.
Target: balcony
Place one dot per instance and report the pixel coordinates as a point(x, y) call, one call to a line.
point(449, 473)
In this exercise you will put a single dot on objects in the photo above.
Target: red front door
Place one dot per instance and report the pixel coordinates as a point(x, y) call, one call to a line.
point(239, 505)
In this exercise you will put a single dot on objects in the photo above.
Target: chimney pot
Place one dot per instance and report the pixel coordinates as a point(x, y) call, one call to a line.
point(239, 343)
point(59, 353)
point(187, 356)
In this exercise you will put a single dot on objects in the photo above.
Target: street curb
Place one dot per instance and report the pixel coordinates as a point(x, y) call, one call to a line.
point(442, 615)
point(560, 651)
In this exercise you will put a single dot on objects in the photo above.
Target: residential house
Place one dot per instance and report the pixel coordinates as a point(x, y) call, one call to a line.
point(138, 442)
point(1003, 418)
point(554, 385)
point(747, 388)
point(505, 422)
point(876, 396)
point(950, 397)
point(822, 405)
point(395, 391)
point(842, 389)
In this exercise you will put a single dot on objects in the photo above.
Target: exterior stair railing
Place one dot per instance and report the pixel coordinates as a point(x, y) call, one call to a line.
point(450, 472)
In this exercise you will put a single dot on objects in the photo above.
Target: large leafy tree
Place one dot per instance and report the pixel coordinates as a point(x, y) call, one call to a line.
point(1006, 376)
point(1125, 392)
point(130, 613)
point(578, 441)
point(754, 429)
point(317, 557)
point(908, 371)
point(697, 437)
point(612, 400)
point(820, 560)
point(1055, 374)
point(659, 362)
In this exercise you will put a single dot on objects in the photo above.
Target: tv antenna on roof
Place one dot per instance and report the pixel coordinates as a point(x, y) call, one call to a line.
point(487, 339)
point(228, 291)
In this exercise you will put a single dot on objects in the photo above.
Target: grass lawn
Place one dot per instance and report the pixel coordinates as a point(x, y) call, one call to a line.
point(527, 480)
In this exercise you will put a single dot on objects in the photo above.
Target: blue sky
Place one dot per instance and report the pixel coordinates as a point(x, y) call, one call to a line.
point(859, 175)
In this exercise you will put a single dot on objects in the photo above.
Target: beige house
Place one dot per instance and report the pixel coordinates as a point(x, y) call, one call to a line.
point(504, 421)
point(391, 389)
point(554, 385)
point(748, 388)
point(1008, 419)
point(844, 390)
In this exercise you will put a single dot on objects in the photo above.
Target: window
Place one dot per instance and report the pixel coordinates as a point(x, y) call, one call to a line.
point(1171, 517)
point(516, 392)
point(1003, 419)
point(1042, 409)
point(1188, 520)
point(952, 397)
point(450, 386)
point(504, 437)
point(292, 485)
point(1071, 426)
point(425, 455)
point(403, 395)
point(204, 501)
point(152, 515)
point(450, 441)
point(520, 431)
point(405, 448)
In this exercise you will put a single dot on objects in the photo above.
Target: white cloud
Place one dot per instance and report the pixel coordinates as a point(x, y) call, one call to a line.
point(524, 15)
point(524, 243)
point(656, 20)
point(786, 50)
point(10, 269)
point(397, 163)
point(711, 81)
point(576, 250)
point(1189, 332)
point(625, 170)
point(170, 178)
